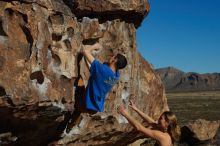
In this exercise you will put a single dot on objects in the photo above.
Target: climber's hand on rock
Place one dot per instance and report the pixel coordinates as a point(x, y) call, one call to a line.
point(121, 110)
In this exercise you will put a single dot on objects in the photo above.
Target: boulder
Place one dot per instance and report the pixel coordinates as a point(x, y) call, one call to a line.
point(40, 43)
point(199, 131)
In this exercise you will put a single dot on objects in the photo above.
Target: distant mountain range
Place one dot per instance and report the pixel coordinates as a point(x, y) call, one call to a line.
point(177, 80)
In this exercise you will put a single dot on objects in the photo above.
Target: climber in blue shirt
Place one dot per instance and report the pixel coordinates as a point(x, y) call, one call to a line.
point(102, 78)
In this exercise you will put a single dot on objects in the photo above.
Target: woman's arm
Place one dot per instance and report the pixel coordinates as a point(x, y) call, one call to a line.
point(155, 134)
point(142, 114)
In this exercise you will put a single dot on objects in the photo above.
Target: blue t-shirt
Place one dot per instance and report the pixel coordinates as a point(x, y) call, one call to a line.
point(101, 81)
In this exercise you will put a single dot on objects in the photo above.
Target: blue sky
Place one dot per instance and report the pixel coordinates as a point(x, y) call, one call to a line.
point(182, 33)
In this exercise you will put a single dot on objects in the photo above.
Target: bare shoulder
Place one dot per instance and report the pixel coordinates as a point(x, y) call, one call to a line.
point(165, 139)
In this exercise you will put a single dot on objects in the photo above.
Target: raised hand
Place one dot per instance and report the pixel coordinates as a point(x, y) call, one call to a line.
point(97, 47)
point(90, 50)
point(132, 105)
point(121, 110)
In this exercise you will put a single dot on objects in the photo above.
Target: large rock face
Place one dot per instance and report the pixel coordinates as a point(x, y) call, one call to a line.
point(40, 43)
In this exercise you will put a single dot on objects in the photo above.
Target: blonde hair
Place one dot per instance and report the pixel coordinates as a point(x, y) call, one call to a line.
point(173, 129)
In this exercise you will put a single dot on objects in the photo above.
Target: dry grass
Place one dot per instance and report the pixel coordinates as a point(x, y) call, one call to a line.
point(195, 105)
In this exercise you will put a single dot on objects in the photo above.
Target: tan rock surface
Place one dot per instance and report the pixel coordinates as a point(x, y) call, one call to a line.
point(204, 130)
point(39, 63)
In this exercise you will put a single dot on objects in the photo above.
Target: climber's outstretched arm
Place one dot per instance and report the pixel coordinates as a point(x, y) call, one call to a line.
point(87, 51)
